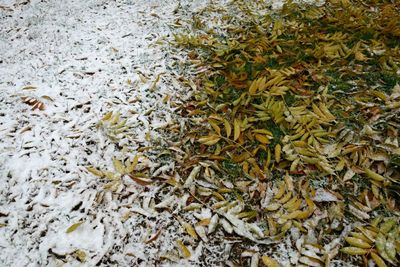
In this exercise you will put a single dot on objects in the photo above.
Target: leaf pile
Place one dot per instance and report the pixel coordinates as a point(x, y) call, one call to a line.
point(295, 123)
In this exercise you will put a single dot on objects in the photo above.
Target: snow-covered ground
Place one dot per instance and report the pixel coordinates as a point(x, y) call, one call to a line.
point(81, 59)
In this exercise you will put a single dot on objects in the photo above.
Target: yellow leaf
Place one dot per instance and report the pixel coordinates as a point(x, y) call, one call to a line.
point(215, 127)
point(281, 191)
point(360, 56)
point(236, 129)
point(354, 251)
point(262, 139)
point(119, 167)
point(73, 227)
point(209, 140)
point(228, 128)
point(373, 175)
point(285, 198)
point(269, 262)
point(29, 87)
point(326, 111)
point(95, 171)
point(81, 255)
point(183, 249)
point(262, 131)
point(107, 116)
point(295, 206)
point(291, 202)
point(356, 242)
point(253, 87)
point(190, 230)
point(261, 83)
point(279, 49)
point(154, 84)
point(292, 215)
point(378, 260)
point(130, 167)
point(318, 112)
point(278, 150)
point(273, 207)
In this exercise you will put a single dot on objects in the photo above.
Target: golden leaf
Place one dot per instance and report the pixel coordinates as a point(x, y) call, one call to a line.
point(183, 249)
point(356, 242)
point(73, 227)
point(278, 150)
point(269, 262)
point(228, 128)
point(119, 167)
point(236, 129)
point(131, 165)
point(95, 171)
point(215, 126)
point(354, 251)
point(262, 139)
point(378, 260)
point(209, 140)
point(190, 230)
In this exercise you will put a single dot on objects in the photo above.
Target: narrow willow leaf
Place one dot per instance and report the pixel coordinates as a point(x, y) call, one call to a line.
point(378, 260)
point(154, 84)
point(236, 129)
point(73, 227)
point(228, 128)
point(270, 262)
point(278, 151)
point(95, 171)
point(209, 140)
point(131, 165)
point(262, 139)
point(387, 225)
point(253, 87)
point(354, 251)
point(281, 191)
point(215, 127)
point(107, 116)
point(119, 167)
point(273, 207)
point(29, 87)
point(373, 175)
point(190, 230)
point(356, 242)
point(285, 198)
point(185, 252)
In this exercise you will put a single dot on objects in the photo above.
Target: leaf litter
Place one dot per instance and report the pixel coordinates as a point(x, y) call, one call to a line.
point(282, 146)
point(303, 104)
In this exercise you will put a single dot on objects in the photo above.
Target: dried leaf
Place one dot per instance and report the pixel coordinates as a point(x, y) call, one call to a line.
point(185, 252)
point(35, 103)
point(236, 129)
point(269, 262)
